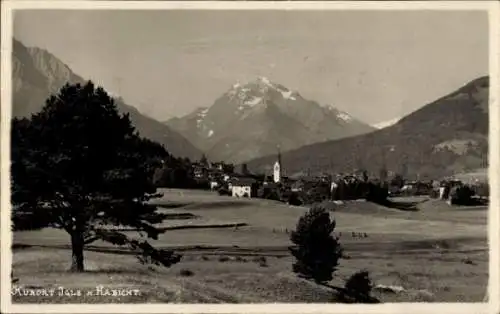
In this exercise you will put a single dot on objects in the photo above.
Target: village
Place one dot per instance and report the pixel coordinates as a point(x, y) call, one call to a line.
point(308, 189)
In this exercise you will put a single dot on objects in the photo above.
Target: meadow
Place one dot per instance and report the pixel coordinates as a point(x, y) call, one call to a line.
point(236, 251)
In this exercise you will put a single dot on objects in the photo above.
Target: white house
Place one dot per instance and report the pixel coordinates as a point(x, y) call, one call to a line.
point(241, 190)
point(242, 187)
point(213, 185)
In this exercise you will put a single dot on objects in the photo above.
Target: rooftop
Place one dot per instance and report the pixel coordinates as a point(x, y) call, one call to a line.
point(242, 181)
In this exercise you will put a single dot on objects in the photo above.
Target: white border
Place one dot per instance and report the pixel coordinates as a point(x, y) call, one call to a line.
point(494, 153)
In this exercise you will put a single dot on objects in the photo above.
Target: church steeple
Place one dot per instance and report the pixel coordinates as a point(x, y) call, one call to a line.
point(279, 155)
point(277, 167)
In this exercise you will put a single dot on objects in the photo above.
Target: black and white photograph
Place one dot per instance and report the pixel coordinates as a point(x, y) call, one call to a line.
point(263, 154)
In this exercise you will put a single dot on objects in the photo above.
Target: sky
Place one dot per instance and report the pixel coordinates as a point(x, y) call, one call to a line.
point(375, 65)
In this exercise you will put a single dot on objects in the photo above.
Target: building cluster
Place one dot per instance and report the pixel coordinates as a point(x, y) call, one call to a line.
point(223, 178)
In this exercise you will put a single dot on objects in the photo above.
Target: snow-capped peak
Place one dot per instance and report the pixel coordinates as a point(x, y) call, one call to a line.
point(252, 92)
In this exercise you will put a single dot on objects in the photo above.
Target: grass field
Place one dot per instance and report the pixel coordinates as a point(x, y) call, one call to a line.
point(437, 253)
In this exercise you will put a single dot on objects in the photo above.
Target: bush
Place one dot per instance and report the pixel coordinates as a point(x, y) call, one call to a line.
point(377, 193)
point(316, 251)
point(359, 283)
point(186, 273)
point(294, 199)
point(461, 195)
point(273, 195)
point(285, 194)
point(223, 259)
point(357, 289)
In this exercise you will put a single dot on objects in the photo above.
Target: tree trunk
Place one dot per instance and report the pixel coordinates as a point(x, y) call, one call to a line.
point(77, 243)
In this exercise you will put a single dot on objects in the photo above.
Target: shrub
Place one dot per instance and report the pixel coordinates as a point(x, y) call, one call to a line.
point(316, 251)
point(285, 194)
point(359, 283)
point(273, 195)
point(357, 289)
point(186, 273)
point(461, 195)
point(377, 193)
point(223, 259)
point(294, 199)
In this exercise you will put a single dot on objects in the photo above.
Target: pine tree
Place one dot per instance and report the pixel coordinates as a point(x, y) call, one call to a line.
point(316, 251)
point(78, 165)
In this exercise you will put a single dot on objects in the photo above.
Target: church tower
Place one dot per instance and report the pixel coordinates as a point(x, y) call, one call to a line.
point(277, 168)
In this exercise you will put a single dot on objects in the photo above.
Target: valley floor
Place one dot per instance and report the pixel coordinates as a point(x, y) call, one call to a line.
point(437, 254)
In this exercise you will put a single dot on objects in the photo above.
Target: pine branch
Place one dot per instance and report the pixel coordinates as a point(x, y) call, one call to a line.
point(146, 253)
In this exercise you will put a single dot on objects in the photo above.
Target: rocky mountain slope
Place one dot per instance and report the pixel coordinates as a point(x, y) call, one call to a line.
point(36, 74)
point(251, 120)
point(447, 136)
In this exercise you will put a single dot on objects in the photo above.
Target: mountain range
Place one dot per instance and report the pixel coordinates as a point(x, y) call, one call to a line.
point(447, 136)
point(36, 74)
point(254, 119)
point(250, 121)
